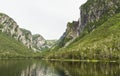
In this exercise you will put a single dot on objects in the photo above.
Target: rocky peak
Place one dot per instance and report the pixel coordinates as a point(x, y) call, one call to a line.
point(26, 37)
point(38, 42)
point(7, 23)
point(10, 27)
point(70, 34)
point(94, 10)
point(72, 29)
point(92, 14)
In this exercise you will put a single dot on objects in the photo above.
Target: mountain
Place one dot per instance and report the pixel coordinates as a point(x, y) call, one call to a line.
point(10, 27)
point(39, 43)
point(95, 35)
point(24, 40)
point(10, 48)
point(72, 32)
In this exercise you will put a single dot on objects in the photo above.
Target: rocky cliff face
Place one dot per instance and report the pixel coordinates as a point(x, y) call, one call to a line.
point(10, 27)
point(26, 38)
point(99, 33)
point(38, 42)
point(71, 33)
point(96, 12)
point(92, 14)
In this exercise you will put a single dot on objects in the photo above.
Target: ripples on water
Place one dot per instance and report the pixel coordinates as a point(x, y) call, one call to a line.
point(46, 68)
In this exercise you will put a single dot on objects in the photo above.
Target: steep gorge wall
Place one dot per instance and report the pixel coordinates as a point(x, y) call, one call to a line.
point(71, 33)
point(96, 12)
point(92, 14)
point(10, 27)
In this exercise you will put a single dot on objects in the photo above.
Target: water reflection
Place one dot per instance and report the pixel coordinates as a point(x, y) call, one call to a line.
point(42, 69)
point(46, 68)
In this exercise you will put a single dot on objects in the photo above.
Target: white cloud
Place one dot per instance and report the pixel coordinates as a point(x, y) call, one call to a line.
point(46, 17)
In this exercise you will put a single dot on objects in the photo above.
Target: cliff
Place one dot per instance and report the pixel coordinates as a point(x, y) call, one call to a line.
point(98, 36)
point(11, 28)
point(92, 14)
point(71, 33)
point(95, 12)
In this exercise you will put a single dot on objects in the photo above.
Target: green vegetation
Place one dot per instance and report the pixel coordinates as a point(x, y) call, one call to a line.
point(86, 68)
point(9, 47)
point(102, 43)
point(69, 34)
point(26, 33)
point(36, 36)
point(13, 67)
point(99, 36)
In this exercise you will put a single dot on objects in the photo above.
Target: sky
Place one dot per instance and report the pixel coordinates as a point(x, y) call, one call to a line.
point(46, 17)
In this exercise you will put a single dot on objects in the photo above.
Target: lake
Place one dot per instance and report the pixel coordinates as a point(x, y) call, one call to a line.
point(50, 68)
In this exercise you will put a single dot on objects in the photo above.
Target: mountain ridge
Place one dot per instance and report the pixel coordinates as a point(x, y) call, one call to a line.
point(11, 28)
point(98, 25)
point(92, 14)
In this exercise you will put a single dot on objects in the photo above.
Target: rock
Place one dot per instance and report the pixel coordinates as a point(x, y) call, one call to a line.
point(93, 10)
point(71, 33)
point(92, 14)
point(38, 42)
point(26, 38)
point(10, 27)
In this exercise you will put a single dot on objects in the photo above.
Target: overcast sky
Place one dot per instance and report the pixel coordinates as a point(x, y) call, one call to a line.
point(45, 17)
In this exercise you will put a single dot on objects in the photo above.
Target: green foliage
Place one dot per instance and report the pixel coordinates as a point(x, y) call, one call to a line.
point(102, 43)
point(36, 36)
point(70, 24)
point(9, 47)
point(1, 26)
point(26, 32)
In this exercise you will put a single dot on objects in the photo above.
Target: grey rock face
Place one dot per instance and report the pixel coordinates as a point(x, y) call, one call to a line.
point(38, 42)
point(70, 34)
point(90, 13)
point(10, 27)
point(93, 10)
point(26, 37)
point(72, 29)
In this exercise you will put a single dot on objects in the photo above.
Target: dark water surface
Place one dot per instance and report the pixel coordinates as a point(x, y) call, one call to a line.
point(46, 68)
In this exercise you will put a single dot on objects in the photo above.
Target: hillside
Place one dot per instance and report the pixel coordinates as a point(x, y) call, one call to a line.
point(102, 43)
point(11, 28)
point(9, 47)
point(19, 42)
point(92, 14)
point(95, 35)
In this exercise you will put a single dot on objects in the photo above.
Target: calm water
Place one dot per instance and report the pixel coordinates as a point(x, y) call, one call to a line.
point(42, 68)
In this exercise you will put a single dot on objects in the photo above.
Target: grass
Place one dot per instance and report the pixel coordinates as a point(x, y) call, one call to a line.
point(103, 43)
point(9, 47)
